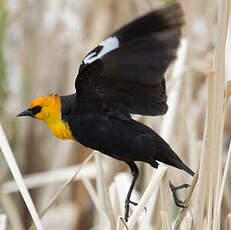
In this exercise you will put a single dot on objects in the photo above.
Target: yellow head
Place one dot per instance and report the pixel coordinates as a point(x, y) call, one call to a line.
point(48, 109)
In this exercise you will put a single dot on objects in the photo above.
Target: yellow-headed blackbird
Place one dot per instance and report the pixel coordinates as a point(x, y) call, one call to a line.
point(123, 75)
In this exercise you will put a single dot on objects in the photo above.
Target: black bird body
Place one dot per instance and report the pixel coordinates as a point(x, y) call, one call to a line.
point(123, 75)
point(119, 136)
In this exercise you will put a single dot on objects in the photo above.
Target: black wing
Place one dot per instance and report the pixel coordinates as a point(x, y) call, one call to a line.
point(126, 71)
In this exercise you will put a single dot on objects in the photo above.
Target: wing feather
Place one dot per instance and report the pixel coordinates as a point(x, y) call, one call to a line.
point(126, 71)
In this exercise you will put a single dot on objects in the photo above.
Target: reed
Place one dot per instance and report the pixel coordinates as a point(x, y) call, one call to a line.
point(197, 125)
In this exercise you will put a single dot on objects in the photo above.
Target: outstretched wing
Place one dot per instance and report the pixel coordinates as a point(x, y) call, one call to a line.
point(126, 71)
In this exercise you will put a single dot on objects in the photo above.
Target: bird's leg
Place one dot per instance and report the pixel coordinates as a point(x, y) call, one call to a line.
point(135, 173)
point(174, 189)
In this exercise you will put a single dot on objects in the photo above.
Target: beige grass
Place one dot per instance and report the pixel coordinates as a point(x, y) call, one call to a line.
point(196, 126)
point(9, 157)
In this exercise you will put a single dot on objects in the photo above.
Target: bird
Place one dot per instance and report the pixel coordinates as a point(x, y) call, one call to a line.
point(122, 76)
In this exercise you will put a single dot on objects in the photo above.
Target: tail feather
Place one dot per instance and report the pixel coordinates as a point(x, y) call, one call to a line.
point(186, 168)
point(170, 158)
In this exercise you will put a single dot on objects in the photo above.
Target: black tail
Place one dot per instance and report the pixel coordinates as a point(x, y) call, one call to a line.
point(170, 158)
point(184, 167)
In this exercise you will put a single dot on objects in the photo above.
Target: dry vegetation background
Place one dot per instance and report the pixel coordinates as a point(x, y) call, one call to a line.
point(41, 46)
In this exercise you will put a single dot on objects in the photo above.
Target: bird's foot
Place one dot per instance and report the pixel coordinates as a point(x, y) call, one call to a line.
point(127, 208)
point(133, 203)
point(127, 202)
point(174, 189)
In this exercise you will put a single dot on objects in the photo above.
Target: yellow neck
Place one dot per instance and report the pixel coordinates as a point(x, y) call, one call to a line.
point(51, 115)
point(61, 130)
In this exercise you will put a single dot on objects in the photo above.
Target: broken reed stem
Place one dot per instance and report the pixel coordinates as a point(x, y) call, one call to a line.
point(182, 212)
point(63, 187)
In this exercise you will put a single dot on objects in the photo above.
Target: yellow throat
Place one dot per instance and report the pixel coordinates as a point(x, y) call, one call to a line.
point(51, 114)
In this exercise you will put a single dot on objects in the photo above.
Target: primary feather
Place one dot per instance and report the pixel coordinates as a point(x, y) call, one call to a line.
point(126, 71)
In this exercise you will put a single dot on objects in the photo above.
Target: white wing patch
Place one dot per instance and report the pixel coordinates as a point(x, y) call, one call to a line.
point(108, 45)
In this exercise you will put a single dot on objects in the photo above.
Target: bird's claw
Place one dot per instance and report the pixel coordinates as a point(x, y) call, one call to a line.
point(126, 215)
point(181, 186)
point(127, 208)
point(127, 202)
point(133, 203)
point(174, 189)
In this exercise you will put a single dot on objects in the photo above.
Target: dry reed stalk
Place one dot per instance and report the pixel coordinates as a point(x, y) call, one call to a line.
point(94, 198)
point(10, 207)
point(63, 187)
point(199, 65)
point(228, 222)
point(166, 224)
point(227, 95)
point(204, 166)
point(41, 179)
point(225, 174)
point(154, 207)
point(102, 22)
point(92, 193)
point(209, 168)
point(105, 204)
point(228, 54)
point(211, 161)
point(204, 169)
point(114, 197)
point(211, 141)
point(3, 222)
point(121, 223)
point(219, 100)
point(165, 195)
point(227, 196)
point(205, 183)
point(173, 95)
point(228, 90)
point(109, 208)
point(8, 154)
point(186, 223)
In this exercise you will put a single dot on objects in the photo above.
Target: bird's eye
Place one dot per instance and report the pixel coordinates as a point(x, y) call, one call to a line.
point(36, 109)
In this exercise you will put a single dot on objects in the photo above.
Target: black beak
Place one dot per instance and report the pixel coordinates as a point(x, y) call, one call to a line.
point(27, 112)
